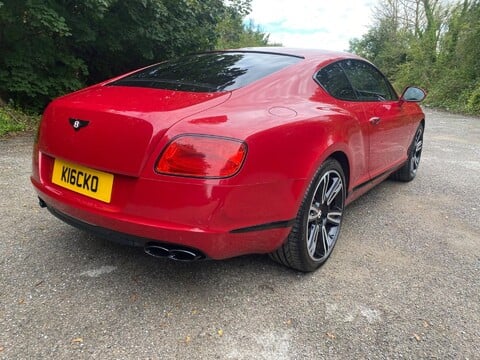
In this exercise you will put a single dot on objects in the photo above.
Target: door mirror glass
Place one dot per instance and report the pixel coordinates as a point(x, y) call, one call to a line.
point(413, 94)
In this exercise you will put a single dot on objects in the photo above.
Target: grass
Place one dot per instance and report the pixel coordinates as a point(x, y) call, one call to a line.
point(12, 120)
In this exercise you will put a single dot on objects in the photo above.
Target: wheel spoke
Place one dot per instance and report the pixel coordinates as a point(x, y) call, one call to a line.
point(417, 161)
point(334, 190)
point(325, 180)
point(334, 217)
point(419, 135)
point(419, 146)
point(313, 238)
point(325, 240)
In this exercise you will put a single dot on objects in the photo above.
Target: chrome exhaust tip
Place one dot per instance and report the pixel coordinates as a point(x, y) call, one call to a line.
point(157, 251)
point(177, 254)
point(184, 255)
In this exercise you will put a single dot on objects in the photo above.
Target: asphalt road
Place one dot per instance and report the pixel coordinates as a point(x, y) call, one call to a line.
point(402, 283)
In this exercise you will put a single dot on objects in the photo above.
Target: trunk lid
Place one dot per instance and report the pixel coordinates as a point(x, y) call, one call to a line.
point(115, 128)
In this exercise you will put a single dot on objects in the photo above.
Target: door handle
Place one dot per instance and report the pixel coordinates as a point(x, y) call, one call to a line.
point(375, 120)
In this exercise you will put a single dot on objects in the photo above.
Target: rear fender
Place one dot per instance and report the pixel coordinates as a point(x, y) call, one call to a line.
point(311, 143)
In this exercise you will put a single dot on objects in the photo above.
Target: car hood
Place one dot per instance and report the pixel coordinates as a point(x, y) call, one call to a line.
point(120, 125)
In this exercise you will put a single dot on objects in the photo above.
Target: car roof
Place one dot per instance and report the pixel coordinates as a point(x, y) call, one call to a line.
point(308, 54)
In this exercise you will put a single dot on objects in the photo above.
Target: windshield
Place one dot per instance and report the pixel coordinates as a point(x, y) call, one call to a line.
point(209, 72)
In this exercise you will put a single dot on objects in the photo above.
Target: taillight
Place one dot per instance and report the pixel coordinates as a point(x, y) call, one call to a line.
point(202, 156)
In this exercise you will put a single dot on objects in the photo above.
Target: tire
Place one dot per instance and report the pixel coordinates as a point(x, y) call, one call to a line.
point(317, 225)
point(409, 170)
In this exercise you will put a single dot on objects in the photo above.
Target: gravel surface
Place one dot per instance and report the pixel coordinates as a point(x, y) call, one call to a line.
point(402, 283)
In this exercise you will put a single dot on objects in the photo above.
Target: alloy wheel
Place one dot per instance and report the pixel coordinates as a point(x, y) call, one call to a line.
point(325, 216)
point(416, 151)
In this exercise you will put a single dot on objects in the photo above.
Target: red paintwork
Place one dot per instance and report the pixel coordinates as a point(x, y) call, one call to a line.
point(289, 123)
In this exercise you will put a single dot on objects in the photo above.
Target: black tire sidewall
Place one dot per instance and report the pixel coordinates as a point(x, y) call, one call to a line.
point(412, 171)
point(329, 164)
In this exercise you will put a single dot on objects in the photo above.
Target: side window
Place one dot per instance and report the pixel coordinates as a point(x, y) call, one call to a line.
point(333, 79)
point(368, 82)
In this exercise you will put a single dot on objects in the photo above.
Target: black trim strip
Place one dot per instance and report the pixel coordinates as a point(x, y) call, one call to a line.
point(386, 173)
point(111, 235)
point(268, 226)
point(119, 237)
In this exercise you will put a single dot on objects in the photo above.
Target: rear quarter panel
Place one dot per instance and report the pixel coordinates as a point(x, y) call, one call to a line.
point(286, 145)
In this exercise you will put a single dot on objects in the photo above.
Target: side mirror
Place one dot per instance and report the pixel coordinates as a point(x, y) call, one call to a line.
point(413, 94)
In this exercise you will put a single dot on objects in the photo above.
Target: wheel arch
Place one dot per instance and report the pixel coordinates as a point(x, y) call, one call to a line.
point(342, 158)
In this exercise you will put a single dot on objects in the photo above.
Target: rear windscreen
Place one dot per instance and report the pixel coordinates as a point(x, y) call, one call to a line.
point(210, 72)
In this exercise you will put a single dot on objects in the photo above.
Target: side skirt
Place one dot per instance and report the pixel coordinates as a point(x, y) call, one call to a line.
point(361, 189)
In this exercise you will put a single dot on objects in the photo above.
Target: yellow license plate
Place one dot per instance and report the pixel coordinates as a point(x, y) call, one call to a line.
point(89, 182)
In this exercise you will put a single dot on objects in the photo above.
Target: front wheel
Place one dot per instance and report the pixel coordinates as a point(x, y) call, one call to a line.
point(317, 226)
point(409, 170)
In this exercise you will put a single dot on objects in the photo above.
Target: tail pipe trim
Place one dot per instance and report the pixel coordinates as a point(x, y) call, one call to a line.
point(173, 252)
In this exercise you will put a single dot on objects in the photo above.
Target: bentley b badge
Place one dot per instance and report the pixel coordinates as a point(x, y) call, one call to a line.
point(77, 124)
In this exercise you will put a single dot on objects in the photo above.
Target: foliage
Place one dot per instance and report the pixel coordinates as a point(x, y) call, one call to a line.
point(473, 103)
point(385, 45)
point(233, 33)
point(33, 46)
point(15, 120)
point(51, 47)
point(430, 44)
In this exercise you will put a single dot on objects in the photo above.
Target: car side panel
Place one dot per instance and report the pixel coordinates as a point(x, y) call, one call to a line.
point(288, 151)
point(356, 134)
point(390, 137)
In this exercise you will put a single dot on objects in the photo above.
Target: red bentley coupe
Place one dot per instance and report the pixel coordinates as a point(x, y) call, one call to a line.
point(225, 153)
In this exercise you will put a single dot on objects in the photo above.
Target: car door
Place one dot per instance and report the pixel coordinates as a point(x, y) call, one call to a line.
point(333, 80)
point(389, 127)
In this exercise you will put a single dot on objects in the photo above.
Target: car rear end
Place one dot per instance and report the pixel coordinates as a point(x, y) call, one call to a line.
point(107, 159)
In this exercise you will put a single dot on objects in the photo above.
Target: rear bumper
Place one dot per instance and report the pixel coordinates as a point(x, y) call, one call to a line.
point(136, 230)
point(129, 240)
point(219, 219)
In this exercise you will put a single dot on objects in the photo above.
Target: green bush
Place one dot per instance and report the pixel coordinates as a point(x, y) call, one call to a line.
point(12, 120)
point(439, 53)
point(473, 104)
point(52, 47)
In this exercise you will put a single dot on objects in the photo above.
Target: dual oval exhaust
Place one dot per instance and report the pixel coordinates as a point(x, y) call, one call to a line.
point(173, 253)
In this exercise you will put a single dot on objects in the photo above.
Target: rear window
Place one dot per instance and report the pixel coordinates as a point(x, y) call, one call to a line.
point(210, 72)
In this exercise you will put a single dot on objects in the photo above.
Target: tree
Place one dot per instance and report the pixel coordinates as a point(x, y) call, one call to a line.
point(431, 44)
point(137, 33)
point(51, 47)
point(386, 45)
point(458, 60)
point(34, 48)
point(233, 33)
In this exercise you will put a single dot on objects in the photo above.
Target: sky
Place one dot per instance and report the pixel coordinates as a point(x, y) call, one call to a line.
point(323, 24)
